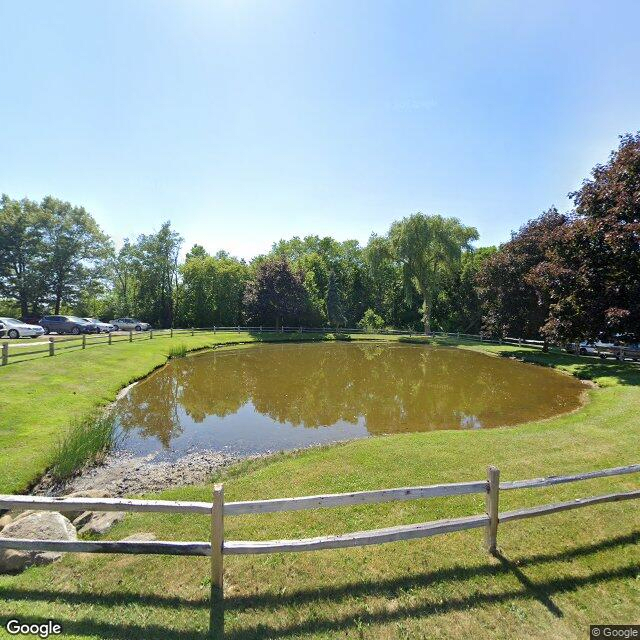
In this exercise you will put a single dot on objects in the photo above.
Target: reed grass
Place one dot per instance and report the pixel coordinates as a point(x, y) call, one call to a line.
point(178, 350)
point(86, 442)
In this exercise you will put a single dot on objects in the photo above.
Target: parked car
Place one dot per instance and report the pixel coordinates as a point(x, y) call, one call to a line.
point(130, 324)
point(15, 328)
point(589, 347)
point(103, 327)
point(67, 324)
point(1, 329)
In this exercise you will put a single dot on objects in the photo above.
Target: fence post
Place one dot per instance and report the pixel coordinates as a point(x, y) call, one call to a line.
point(519, 342)
point(52, 348)
point(84, 340)
point(150, 334)
point(5, 353)
point(301, 329)
point(191, 330)
point(260, 328)
point(130, 335)
point(238, 328)
point(480, 336)
point(171, 336)
point(493, 493)
point(109, 337)
point(216, 617)
point(214, 328)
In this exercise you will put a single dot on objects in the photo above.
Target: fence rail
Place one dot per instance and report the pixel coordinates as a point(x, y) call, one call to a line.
point(53, 346)
point(217, 546)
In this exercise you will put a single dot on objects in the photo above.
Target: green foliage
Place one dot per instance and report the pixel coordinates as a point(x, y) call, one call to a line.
point(178, 350)
point(275, 295)
point(415, 339)
point(371, 322)
point(334, 302)
point(86, 442)
point(458, 306)
point(513, 305)
point(212, 289)
point(429, 249)
point(51, 253)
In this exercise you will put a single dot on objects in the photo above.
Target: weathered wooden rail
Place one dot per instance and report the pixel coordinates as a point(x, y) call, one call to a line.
point(218, 509)
point(59, 344)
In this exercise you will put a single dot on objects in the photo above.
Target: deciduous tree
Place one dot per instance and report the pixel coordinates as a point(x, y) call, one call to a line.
point(428, 248)
point(275, 294)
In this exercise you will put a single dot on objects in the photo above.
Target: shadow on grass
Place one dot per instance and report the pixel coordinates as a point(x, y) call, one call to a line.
point(583, 367)
point(541, 592)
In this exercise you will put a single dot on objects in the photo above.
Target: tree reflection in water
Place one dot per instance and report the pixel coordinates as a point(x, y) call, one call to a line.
point(263, 398)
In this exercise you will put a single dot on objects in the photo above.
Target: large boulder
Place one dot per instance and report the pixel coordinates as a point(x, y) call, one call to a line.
point(87, 493)
point(97, 522)
point(44, 525)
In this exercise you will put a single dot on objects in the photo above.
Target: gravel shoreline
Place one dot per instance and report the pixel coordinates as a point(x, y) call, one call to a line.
point(123, 474)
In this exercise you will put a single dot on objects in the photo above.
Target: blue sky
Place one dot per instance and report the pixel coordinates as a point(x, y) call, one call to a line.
point(244, 122)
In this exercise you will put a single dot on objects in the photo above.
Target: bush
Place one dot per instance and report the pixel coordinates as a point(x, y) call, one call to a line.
point(415, 339)
point(86, 442)
point(371, 322)
point(344, 337)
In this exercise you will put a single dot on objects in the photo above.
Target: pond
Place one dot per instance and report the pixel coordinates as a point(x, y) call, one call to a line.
point(263, 398)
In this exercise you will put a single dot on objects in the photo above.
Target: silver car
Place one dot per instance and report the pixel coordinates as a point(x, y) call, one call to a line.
point(103, 327)
point(130, 324)
point(17, 329)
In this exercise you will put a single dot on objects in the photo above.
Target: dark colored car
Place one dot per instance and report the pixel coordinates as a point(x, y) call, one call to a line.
point(67, 324)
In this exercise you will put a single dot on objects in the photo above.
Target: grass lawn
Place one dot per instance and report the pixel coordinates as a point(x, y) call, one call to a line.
point(554, 577)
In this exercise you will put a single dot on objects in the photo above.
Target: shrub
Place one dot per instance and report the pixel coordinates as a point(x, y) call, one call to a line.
point(415, 339)
point(371, 321)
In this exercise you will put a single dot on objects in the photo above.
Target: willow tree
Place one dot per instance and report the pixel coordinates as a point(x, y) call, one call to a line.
point(428, 248)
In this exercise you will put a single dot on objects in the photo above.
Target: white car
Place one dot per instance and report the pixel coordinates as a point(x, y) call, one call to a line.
point(103, 327)
point(130, 324)
point(18, 329)
point(587, 348)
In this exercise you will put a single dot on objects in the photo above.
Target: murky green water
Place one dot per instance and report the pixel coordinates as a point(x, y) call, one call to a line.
point(275, 397)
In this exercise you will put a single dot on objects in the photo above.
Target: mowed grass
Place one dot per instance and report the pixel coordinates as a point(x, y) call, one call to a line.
point(555, 575)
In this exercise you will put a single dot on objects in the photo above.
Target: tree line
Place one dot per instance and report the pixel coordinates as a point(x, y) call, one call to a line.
point(562, 276)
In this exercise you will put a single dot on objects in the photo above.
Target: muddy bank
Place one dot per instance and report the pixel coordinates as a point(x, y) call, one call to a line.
point(124, 474)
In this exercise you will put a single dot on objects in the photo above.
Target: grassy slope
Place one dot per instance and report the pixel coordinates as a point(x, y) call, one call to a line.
point(557, 574)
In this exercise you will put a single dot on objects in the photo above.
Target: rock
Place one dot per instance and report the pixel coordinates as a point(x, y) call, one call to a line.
point(44, 525)
point(140, 537)
point(83, 518)
point(23, 514)
point(94, 522)
point(5, 520)
point(87, 493)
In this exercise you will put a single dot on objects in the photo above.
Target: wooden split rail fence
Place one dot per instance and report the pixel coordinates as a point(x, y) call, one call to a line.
point(59, 344)
point(53, 346)
point(217, 547)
